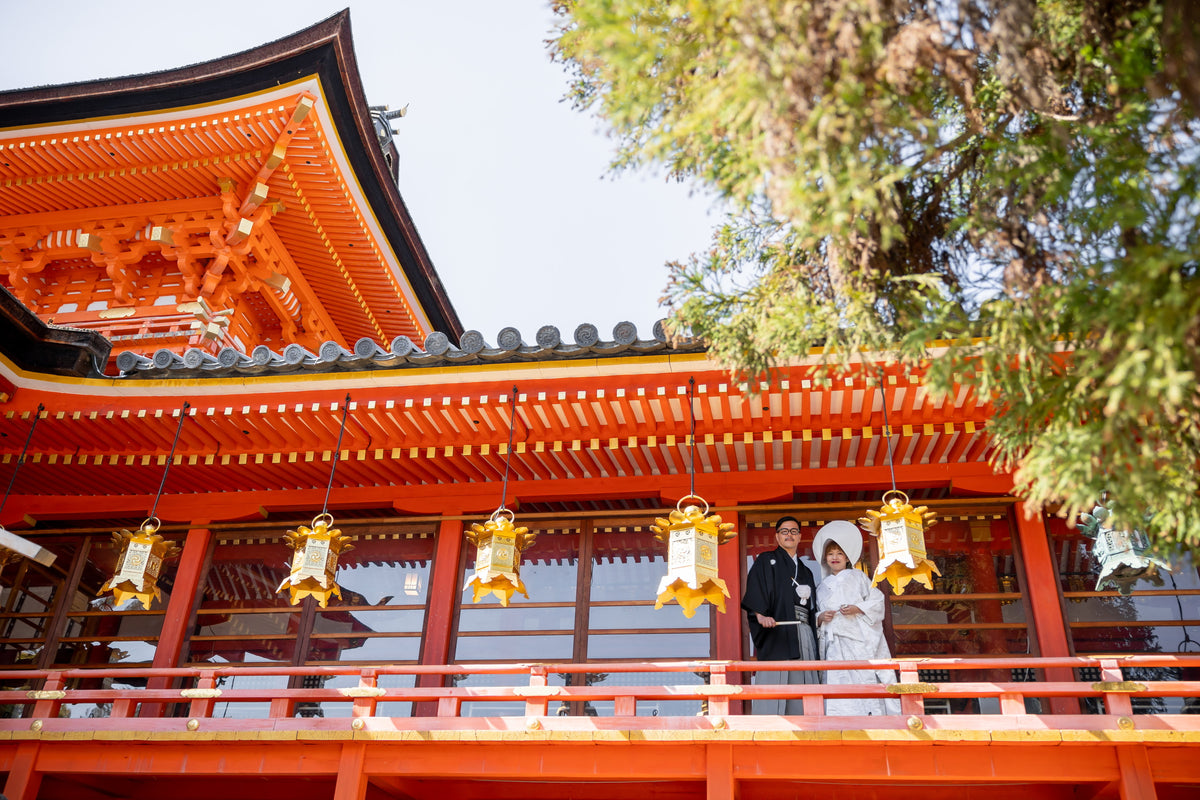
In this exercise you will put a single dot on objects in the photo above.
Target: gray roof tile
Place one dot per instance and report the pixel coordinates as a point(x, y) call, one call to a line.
point(438, 351)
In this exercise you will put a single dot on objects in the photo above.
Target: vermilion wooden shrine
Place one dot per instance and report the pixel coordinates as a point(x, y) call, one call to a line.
point(231, 236)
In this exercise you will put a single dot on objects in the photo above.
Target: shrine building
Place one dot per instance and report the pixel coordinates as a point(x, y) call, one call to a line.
point(221, 337)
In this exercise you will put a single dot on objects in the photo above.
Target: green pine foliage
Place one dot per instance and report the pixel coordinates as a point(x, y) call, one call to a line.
point(1003, 192)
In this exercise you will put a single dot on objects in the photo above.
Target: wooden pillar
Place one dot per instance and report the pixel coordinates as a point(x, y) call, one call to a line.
point(720, 783)
point(444, 589)
point(184, 598)
point(351, 780)
point(1137, 779)
point(58, 622)
point(24, 780)
point(982, 571)
point(1045, 600)
point(728, 631)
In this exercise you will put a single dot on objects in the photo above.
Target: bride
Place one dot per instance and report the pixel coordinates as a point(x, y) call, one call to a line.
point(850, 625)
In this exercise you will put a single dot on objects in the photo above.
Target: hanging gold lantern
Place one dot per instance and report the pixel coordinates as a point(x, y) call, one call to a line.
point(139, 564)
point(900, 529)
point(314, 563)
point(498, 557)
point(692, 539)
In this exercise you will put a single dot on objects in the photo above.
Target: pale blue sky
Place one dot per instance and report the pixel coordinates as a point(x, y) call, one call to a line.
point(507, 185)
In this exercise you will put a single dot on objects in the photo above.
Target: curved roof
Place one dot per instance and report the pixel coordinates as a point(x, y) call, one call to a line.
point(289, 115)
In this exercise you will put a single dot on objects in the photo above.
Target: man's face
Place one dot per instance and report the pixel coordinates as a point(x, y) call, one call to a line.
point(788, 536)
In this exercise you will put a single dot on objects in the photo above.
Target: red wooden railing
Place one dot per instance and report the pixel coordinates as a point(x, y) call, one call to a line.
point(46, 692)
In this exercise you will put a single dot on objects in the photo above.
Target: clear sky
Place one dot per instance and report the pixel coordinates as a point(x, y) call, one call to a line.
point(508, 185)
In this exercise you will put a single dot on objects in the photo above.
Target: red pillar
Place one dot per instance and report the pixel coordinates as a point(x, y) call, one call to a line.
point(351, 780)
point(168, 653)
point(183, 597)
point(24, 780)
point(728, 631)
point(444, 588)
point(719, 782)
point(1137, 779)
point(1045, 600)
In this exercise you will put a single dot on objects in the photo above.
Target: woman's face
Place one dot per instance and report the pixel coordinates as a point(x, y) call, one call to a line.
point(835, 559)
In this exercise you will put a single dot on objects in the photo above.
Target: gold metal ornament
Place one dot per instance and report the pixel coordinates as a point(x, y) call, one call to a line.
point(900, 529)
point(139, 564)
point(314, 563)
point(498, 546)
point(1122, 552)
point(692, 538)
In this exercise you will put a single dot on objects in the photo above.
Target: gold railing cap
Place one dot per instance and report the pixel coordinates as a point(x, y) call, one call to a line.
point(1119, 686)
point(912, 688)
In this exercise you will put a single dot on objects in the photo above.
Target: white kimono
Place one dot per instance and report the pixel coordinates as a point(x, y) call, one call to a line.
point(856, 637)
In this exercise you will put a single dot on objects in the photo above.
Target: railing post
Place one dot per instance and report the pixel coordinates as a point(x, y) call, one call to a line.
point(536, 702)
point(49, 698)
point(913, 704)
point(367, 697)
point(123, 707)
point(1012, 703)
point(446, 706)
point(625, 706)
point(1116, 703)
point(718, 704)
point(204, 696)
point(282, 708)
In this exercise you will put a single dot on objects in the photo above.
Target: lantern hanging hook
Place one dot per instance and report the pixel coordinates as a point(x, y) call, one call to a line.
point(679, 506)
point(512, 426)
point(692, 441)
point(37, 415)
point(337, 451)
point(151, 525)
point(887, 429)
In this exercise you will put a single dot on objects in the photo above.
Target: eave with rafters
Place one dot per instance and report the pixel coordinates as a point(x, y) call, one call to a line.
point(238, 203)
point(422, 441)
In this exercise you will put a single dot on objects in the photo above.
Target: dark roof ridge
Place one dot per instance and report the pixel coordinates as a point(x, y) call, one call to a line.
point(438, 351)
point(326, 30)
point(37, 346)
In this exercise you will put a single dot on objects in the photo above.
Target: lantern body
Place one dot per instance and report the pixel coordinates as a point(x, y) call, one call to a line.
point(692, 538)
point(498, 557)
point(139, 564)
point(315, 561)
point(900, 529)
point(1122, 554)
